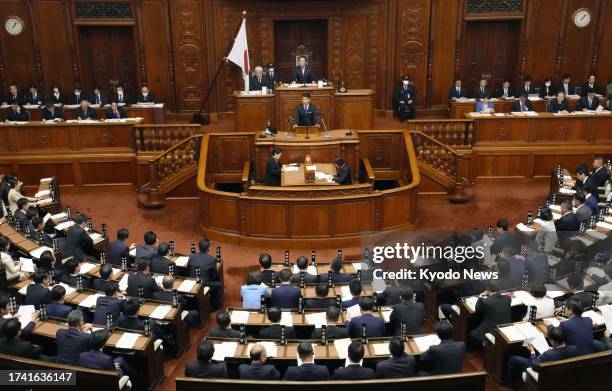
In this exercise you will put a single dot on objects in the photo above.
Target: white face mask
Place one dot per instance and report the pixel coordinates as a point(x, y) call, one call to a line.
point(547, 84)
point(271, 70)
point(405, 82)
point(56, 90)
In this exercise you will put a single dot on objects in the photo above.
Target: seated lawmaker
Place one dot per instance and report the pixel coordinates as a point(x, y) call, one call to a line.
point(409, 313)
point(404, 98)
point(253, 290)
point(274, 168)
point(95, 358)
point(34, 97)
point(57, 97)
point(526, 88)
point(482, 90)
point(581, 209)
point(307, 370)
point(98, 97)
point(106, 272)
point(333, 331)
point(38, 293)
point(120, 96)
point(12, 345)
point(110, 303)
point(160, 264)
point(547, 90)
point(338, 276)
point(522, 104)
point(128, 319)
point(344, 172)
point(76, 97)
point(285, 295)
point(589, 85)
point(78, 243)
point(494, 308)
point(119, 249)
point(12, 268)
point(355, 288)
point(545, 306)
point(224, 329)
point(145, 95)
point(52, 113)
point(303, 74)
point(306, 114)
point(558, 105)
point(208, 272)
point(536, 264)
point(445, 358)
point(257, 369)
point(57, 308)
point(71, 272)
point(565, 86)
point(584, 181)
point(505, 91)
point(485, 105)
point(568, 224)
point(5, 314)
point(14, 96)
point(600, 173)
point(375, 326)
point(39, 232)
point(148, 250)
point(258, 80)
point(353, 370)
point(398, 365)
point(588, 101)
point(73, 341)
point(322, 300)
point(274, 331)
point(302, 264)
point(17, 113)
point(142, 278)
point(204, 367)
point(456, 91)
point(115, 111)
point(84, 112)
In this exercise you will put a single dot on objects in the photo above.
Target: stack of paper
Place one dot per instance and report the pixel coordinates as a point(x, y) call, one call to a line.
point(43, 194)
point(161, 311)
point(38, 251)
point(90, 301)
point(310, 270)
point(181, 261)
point(386, 314)
point(345, 292)
point(317, 319)
point(64, 225)
point(186, 286)
point(552, 321)
point(606, 311)
point(239, 317)
point(59, 216)
point(24, 313)
point(127, 340)
point(224, 349)
point(470, 302)
point(353, 311)
point(426, 341)
point(566, 191)
point(290, 168)
point(341, 346)
point(603, 224)
point(595, 317)
point(286, 319)
point(270, 346)
point(381, 349)
point(27, 265)
point(123, 284)
point(95, 236)
point(356, 265)
point(86, 267)
point(24, 289)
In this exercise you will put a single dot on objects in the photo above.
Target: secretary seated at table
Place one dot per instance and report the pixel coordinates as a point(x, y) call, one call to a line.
point(306, 114)
point(344, 176)
point(274, 168)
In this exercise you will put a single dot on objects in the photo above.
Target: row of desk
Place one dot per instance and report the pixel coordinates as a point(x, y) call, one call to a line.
point(150, 114)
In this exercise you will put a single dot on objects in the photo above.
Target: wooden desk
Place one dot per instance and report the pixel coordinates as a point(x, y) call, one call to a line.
point(297, 178)
point(260, 319)
point(149, 114)
point(322, 268)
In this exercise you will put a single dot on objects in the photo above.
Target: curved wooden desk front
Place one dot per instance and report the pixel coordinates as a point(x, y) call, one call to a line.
point(305, 216)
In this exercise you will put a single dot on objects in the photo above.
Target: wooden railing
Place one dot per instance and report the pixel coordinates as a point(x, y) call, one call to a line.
point(157, 138)
point(451, 132)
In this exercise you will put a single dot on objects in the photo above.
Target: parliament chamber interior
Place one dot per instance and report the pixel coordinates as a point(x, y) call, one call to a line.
point(306, 195)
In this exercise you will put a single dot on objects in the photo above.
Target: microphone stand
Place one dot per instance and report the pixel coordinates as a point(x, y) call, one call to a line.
point(198, 117)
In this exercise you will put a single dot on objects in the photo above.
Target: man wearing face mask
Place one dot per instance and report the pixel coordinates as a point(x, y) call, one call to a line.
point(404, 99)
point(56, 96)
point(77, 96)
point(120, 96)
point(273, 78)
point(547, 89)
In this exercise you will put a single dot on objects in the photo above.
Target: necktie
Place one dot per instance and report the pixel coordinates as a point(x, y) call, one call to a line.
point(121, 98)
point(590, 102)
point(15, 97)
point(458, 92)
point(506, 91)
point(566, 93)
point(98, 99)
point(117, 114)
point(522, 107)
point(527, 89)
point(482, 89)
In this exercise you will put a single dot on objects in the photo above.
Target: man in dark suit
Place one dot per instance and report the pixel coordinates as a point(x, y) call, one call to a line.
point(333, 331)
point(224, 329)
point(106, 272)
point(344, 176)
point(494, 309)
point(78, 243)
point(12, 345)
point(73, 341)
point(142, 279)
point(526, 88)
point(522, 104)
point(148, 250)
point(404, 98)
point(34, 97)
point(578, 329)
point(5, 311)
point(274, 331)
point(98, 97)
point(39, 231)
point(582, 211)
point(95, 358)
point(337, 275)
point(204, 367)
point(258, 80)
point(568, 224)
point(303, 74)
point(457, 91)
point(584, 181)
point(505, 91)
point(559, 104)
point(257, 370)
point(536, 264)
point(38, 293)
point(409, 313)
point(355, 288)
point(589, 85)
point(482, 90)
point(160, 264)
point(321, 301)
point(129, 317)
point(145, 95)
point(118, 249)
point(600, 173)
point(354, 370)
point(115, 111)
point(274, 168)
point(547, 90)
point(52, 113)
point(84, 112)
point(165, 295)
point(285, 295)
point(21, 215)
point(14, 96)
point(308, 371)
point(505, 238)
point(272, 77)
point(110, 303)
point(516, 266)
point(306, 114)
point(566, 87)
point(375, 326)
point(302, 264)
point(208, 272)
point(588, 101)
point(76, 97)
point(57, 308)
point(265, 261)
point(17, 113)
point(445, 358)
point(391, 295)
point(559, 351)
point(120, 96)
point(398, 365)
point(57, 97)
point(71, 272)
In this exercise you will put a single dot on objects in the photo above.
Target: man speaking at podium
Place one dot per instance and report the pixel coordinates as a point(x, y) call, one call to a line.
point(306, 114)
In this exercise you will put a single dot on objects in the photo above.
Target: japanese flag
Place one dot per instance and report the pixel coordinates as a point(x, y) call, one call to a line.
point(239, 54)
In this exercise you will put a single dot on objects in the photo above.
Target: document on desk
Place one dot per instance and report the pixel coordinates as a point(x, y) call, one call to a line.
point(603, 224)
point(606, 311)
point(161, 311)
point(123, 283)
point(471, 302)
point(527, 329)
point(522, 297)
point(341, 346)
point(595, 317)
point(286, 319)
point(353, 311)
point(24, 314)
point(317, 319)
point(186, 286)
point(552, 321)
point(95, 237)
point(381, 349)
point(310, 270)
point(59, 216)
point(386, 314)
point(531, 114)
point(181, 261)
point(239, 317)
point(270, 346)
point(291, 168)
point(43, 194)
point(426, 341)
point(538, 341)
point(523, 228)
point(27, 265)
point(90, 301)
point(86, 267)
point(24, 289)
point(127, 340)
point(64, 225)
point(36, 253)
point(224, 349)
point(345, 293)
point(159, 280)
point(512, 333)
point(596, 234)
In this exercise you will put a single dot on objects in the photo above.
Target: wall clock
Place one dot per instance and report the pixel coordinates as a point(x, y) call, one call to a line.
point(582, 17)
point(14, 25)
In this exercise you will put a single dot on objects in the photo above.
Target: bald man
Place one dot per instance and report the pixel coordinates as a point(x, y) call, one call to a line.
point(258, 80)
point(257, 370)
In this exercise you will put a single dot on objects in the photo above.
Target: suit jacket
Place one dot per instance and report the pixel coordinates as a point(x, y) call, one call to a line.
point(516, 106)
point(39, 99)
point(160, 264)
point(391, 295)
point(77, 243)
point(23, 115)
point(150, 98)
point(523, 90)
point(274, 332)
point(579, 332)
point(207, 265)
point(18, 347)
point(499, 92)
point(554, 106)
point(507, 238)
point(337, 277)
point(76, 99)
point(303, 117)
point(396, 367)
point(547, 91)
point(517, 269)
point(571, 90)
point(567, 226)
point(495, 310)
point(349, 303)
point(319, 303)
point(218, 332)
point(480, 106)
point(255, 84)
point(70, 344)
point(96, 359)
point(205, 370)
point(445, 358)
point(37, 294)
point(538, 270)
point(583, 213)
point(591, 202)
point(307, 372)
point(585, 87)
point(20, 99)
point(412, 314)
point(452, 93)
point(110, 114)
point(130, 322)
point(308, 278)
point(71, 280)
point(126, 98)
point(57, 310)
point(404, 94)
point(332, 332)
point(353, 372)
point(25, 330)
point(56, 114)
point(258, 371)
point(554, 354)
point(115, 251)
point(60, 98)
point(24, 222)
point(583, 103)
point(107, 305)
point(600, 176)
point(273, 172)
point(99, 284)
point(479, 94)
point(587, 184)
point(303, 77)
point(344, 176)
point(285, 296)
point(140, 279)
point(89, 114)
point(146, 251)
point(375, 326)
point(272, 79)
point(101, 99)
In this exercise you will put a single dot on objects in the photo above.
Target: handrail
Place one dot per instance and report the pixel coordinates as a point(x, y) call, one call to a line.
point(454, 132)
point(159, 137)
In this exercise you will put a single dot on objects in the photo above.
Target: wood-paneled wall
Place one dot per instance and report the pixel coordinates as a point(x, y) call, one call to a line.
point(179, 43)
